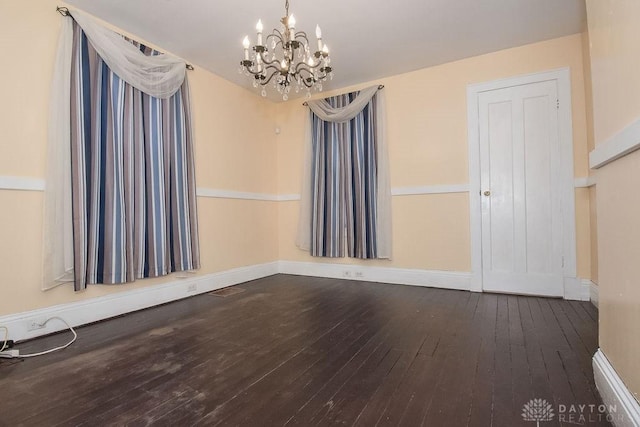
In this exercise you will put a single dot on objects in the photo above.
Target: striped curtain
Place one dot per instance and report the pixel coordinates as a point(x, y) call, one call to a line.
point(344, 168)
point(134, 201)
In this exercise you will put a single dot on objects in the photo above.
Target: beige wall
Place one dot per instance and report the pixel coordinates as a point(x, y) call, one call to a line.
point(615, 67)
point(427, 125)
point(235, 150)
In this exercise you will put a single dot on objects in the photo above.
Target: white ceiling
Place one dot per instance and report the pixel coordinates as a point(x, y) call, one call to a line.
point(369, 39)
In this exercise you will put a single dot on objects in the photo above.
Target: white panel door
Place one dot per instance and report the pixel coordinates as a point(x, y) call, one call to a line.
point(520, 191)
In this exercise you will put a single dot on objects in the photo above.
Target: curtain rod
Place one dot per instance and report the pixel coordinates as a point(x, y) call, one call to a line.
point(65, 12)
point(379, 87)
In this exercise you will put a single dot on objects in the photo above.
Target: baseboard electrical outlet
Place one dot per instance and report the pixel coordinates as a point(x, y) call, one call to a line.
point(34, 324)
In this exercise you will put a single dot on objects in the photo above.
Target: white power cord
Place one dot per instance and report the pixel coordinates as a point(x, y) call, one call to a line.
point(62, 347)
point(6, 337)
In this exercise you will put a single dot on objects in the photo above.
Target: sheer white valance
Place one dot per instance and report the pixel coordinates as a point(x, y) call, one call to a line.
point(326, 112)
point(157, 75)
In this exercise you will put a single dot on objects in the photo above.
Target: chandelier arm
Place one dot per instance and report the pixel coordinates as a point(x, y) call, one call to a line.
point(306, 67)
point(266, 82)
point(278, 37)
point(268, 63)
point(302, 35)
point(278, 34)
point(308, 84)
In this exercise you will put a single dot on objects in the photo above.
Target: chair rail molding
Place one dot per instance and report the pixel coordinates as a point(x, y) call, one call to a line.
point(21, 183)
point(619, 145)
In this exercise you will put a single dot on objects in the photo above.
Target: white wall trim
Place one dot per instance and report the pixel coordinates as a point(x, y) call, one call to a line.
point(430, 189)
point(594, 294)
point(288, 197)
point(624, 142)
point(585, 182)
point(23, 183)
point(230, 194)
point(403, 276)
point(563, 78)
point(407, 191)
point(37, 184)
point(244, 195)
point(614, 393)
point(577, 289)
point(104, 307)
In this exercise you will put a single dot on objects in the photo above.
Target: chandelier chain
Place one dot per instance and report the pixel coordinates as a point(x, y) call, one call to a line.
point(286, 7)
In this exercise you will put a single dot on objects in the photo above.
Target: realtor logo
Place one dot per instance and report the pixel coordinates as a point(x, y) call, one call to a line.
point(537, 410)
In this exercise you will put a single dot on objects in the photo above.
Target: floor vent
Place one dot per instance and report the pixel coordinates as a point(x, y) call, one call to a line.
point(225, 292)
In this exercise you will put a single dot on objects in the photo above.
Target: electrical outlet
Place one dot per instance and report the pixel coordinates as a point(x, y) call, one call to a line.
point(358, 274)
point(35, 324)
point(192, 287)
point(346, 273)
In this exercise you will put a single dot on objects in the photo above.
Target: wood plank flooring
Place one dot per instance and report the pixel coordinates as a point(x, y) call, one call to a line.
point(301, 351)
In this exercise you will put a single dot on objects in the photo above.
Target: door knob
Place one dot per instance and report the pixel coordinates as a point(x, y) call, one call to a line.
point(487, 193)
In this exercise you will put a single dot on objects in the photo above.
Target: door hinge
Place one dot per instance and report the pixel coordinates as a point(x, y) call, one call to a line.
point(557, 104)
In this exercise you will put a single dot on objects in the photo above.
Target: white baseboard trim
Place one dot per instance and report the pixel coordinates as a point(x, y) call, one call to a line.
point(594, 293)
point(624, 409)
point(100, 308)
point(577, 289)
point(624, 142)
point(430, 278)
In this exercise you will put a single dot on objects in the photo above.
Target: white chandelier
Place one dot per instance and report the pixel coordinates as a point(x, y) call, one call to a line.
point(285, 59)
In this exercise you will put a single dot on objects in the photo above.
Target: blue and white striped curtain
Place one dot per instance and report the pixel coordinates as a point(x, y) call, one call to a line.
point(344, 170)
point(134, 199)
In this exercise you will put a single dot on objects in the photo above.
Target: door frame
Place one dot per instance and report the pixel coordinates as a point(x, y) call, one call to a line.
point(565, 177)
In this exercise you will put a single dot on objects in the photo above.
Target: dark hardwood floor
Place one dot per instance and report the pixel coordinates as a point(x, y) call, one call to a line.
point(305, 351)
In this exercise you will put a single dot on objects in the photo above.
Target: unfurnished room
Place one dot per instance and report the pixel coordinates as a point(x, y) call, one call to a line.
point(297, 213)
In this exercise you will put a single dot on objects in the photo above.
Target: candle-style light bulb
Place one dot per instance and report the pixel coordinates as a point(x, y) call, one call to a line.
point(319, 36)
point(325, 49)
point(245, 44)
point(259, 29)
point(291, 22)
point(310, 61)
